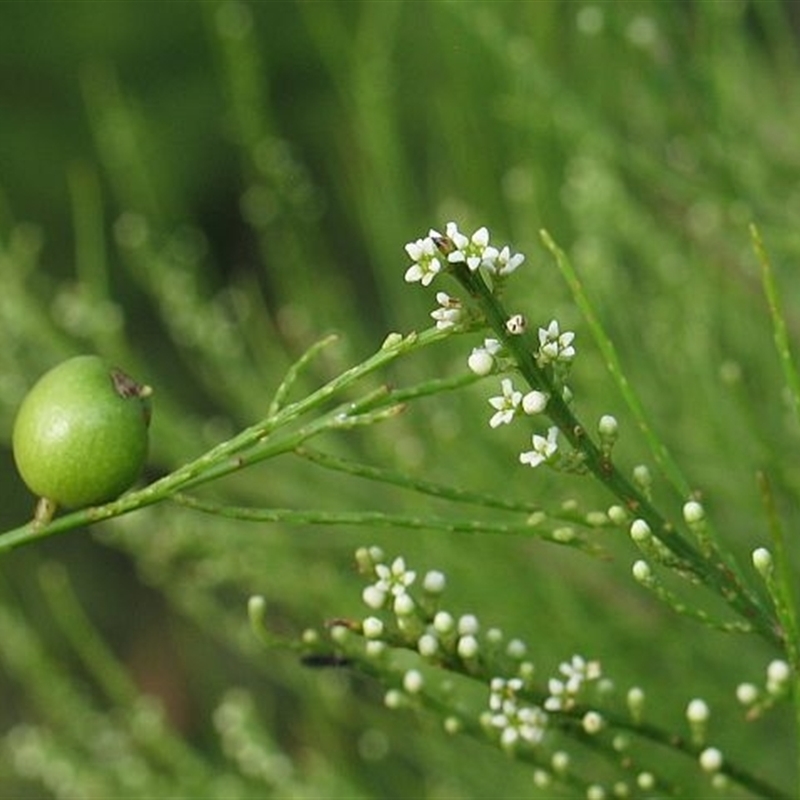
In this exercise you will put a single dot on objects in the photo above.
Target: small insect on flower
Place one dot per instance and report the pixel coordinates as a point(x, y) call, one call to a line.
point(443, 244)
point(516, 325)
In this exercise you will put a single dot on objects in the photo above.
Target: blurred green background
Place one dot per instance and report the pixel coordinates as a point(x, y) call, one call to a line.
point(199, 190)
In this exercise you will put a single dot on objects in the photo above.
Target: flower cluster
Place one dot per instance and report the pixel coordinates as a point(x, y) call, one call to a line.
point(776, 686)
point(564, 691)
point(436, 253)
point(530, 717)
point(405, 611)
point(433, 253)
point(515, 720)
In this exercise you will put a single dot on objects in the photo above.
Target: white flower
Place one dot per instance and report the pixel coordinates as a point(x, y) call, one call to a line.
point(394, 579)
point(373, 596)
point(543, 448)
point(778, 674)
point(576, 671)
point(434, 581)
point(393, 699)
point(372, 627)
point(413, 681)
point(467, 646)
point(474, 251)
point(516, 648)
point(635, 698)
point(697, 710)
point(468, 624)
point(404, 605)
point(640, 531)
point(528, 723)
point(425, 255)
point(443, 622)
point(481, 360)
point(503, 694)
point(505, 405)
point(427, 645)
point(558, 698)
point(762, 561)
point(449, 312)
point(710, 759)
point(608, 427)
point(505, 263)
point(534, 402)
point(642, 572)
point(554, 345)
point(693, 512)
point(592, 722)
point(746, 693)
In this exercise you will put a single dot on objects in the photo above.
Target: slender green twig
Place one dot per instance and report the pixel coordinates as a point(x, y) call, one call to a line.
point(417, 484)
point(716, 574)
point(380, 519)
point(289, 380)
point(569, 722)
point(253, 444)
point(781, 587)
point(661, 455)
point(779, 329)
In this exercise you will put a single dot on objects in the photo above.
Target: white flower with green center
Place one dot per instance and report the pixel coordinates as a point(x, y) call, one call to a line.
point(527, 723)
point(554, 345)
point(394, 579)
point(503, 694)
point(505, 263)
point(426, 258)
point(473, 251)
point(505, 405)
point(543, 448)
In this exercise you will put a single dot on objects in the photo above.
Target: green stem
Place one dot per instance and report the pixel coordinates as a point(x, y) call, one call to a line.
point(661, 455)
point(781, 588)
point(779, 330)
point(716, 575)
point(378, 519)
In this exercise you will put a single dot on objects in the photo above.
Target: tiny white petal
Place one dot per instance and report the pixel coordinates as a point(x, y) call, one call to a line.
point(481, 236)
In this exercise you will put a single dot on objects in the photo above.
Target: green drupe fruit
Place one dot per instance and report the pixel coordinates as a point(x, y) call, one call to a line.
point(80, 436)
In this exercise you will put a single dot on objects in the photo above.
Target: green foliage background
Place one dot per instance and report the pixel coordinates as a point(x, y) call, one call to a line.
point(200, 190)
